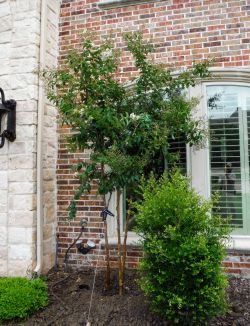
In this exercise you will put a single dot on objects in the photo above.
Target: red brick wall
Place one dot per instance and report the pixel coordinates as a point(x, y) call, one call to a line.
point(237, 263)
point(182, 32)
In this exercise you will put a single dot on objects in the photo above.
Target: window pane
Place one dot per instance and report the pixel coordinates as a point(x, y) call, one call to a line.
point(229, 160)
point(177, 151)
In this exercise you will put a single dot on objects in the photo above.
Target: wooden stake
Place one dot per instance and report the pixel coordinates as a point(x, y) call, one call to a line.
point(107, 256)
point(124, 251)
point(120, 278)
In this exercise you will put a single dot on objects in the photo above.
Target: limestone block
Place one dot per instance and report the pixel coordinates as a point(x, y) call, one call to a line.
point(30, 147)
point(48, 262)
point(27, 118)
point(3, 179)
point(3, 268)
point(3, 219)
point(3, 197)
point(49, 122)
point(20, 235)
point(22, 202)
point(3, 208)
point(4, 150)
point(19, 267)
point(21, 81)
point(50, 162)
point(28, 93)
point(22, 175)
point(51, 150)
point(4, 64)
point(19, 40)
point(26, 5)
point(22, 187)
point(49, 197)
point(21, 218)
point(5, 23)
point(27, 106)
point(28, 51)
point(50, 213)
point(5, 51)
point(5, 79)
point(22, 162)
point(4, 8)
point(23, 65)
point(5, 38)
point(51, 112)
point(17, 147)
point(48, 231)
point(35, 5)
point(3, 253)
point(49, 174)
point(3, 235)
point(20, 251)
point(25, 132)
point(48, 246)
point(3, 162)
point(28, 22)
point(49, 186)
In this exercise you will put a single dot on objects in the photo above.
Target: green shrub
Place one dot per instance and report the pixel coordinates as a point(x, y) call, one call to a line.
point(184, 247)
point(19, 297)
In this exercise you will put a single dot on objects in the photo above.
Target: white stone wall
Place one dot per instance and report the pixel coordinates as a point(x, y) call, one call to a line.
point(50, 143)
point(19, 59)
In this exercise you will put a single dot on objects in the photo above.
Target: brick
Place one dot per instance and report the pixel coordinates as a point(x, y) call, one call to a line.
point(181, 32)
point(212, 44)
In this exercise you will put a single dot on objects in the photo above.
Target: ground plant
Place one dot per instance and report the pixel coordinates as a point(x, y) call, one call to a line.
point(184, 246)
point(124, 125)
point(20, 297)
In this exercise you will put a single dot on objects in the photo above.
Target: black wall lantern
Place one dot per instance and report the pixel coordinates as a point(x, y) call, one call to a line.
point(7, 108)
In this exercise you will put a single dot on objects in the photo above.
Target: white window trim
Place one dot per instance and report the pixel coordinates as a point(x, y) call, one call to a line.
point(195, 158)
point(237, 77)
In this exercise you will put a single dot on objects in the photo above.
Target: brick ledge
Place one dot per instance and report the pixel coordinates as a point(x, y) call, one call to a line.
point(121, 3)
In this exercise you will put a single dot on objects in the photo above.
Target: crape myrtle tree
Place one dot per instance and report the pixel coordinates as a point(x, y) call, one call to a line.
point(124, 125)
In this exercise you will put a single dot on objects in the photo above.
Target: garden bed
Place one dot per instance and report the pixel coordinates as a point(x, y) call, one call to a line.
point(70, 295)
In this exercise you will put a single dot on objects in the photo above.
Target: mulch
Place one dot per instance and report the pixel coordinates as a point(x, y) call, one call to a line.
point(70, 295)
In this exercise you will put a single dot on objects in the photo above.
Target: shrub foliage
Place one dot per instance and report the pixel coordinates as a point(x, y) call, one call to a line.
point(19, 297)
point(124, 125)
point(184, 248)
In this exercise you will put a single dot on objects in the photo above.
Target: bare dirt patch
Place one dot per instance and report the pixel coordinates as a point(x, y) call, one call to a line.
point(70, 297)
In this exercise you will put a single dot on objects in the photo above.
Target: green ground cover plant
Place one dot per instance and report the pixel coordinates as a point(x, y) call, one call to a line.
point(20, 297)
point(184, 247)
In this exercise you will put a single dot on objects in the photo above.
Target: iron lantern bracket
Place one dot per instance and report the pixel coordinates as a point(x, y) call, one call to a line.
point(7, 107)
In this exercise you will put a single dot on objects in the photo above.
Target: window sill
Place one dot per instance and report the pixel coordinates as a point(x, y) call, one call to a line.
point(237, 242)
point(132, 240)
point(122, 3)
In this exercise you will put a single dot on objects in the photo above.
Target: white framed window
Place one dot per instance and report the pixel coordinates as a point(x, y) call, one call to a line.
point(230, 144)
point(229, 124)
point(223, 165)
point(178, 148)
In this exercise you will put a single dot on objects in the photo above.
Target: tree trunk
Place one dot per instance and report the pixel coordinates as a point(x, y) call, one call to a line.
point(107, 280)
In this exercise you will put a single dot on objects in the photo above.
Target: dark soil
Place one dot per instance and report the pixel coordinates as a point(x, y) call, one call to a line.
point(70, 295)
